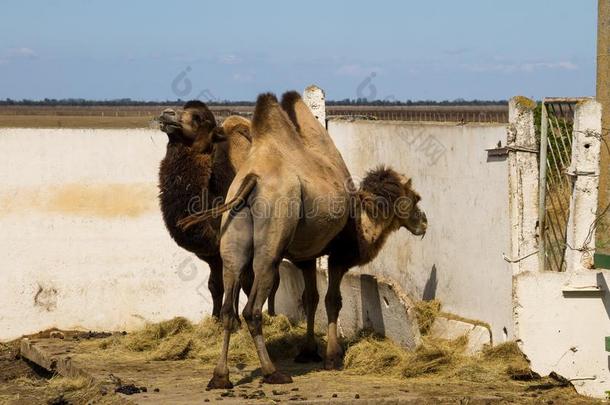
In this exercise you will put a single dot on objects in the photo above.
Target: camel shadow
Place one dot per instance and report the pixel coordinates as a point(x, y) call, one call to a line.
point(286, 365)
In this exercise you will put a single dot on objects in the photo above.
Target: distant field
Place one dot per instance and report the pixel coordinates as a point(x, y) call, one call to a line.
point(55, 121)
point(144, 116)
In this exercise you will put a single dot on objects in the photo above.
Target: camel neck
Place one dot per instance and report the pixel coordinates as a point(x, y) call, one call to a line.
point(372, 235)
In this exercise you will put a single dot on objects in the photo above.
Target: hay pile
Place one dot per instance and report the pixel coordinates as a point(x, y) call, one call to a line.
point(366, 354)
point(179, 339)
point(372, 354)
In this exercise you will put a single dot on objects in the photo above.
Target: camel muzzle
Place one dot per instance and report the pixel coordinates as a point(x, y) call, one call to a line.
point(168, 121)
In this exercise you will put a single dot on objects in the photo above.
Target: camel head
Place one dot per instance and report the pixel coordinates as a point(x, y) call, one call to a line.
point(390, 201)
point(408, 212)
point(195, 123)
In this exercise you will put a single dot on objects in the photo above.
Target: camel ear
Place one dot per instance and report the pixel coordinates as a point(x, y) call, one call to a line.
point(218, 135)
point(405, 181)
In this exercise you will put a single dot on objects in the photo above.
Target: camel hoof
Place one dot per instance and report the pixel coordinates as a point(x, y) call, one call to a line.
point(220, 382)
point(277, 377)
point(308, 356)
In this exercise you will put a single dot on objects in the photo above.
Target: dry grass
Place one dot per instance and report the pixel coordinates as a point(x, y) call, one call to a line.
point(179, 339)
point(66, 121)
point(380, 356)
point(426, 312)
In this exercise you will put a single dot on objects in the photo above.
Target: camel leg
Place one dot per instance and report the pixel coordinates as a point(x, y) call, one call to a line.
point(236, 251)
point(264, 269)
point(333, 301)
point(215, 283)
point(247, 278)
point(309, 351)
point(274, 287)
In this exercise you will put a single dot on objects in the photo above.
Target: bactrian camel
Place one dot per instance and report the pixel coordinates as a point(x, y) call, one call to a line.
point(293, 198)
point(199, 165)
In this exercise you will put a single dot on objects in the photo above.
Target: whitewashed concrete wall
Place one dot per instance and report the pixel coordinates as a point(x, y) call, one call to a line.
point(465, 197)
point(562, 319)
point(83, 244)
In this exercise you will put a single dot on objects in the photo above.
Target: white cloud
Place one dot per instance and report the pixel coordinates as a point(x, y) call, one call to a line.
point(22, 52)
point(520, 67)
point(230, 59)
point(243, 77)
point(356, 70)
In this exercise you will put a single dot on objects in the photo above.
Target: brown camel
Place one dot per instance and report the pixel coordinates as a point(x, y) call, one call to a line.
point(200, 163)
point(293, 198)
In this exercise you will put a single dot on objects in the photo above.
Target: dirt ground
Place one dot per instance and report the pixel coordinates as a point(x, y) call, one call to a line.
point(140, 379)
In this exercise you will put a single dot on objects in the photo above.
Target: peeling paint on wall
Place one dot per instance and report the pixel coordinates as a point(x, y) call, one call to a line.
point(91, 200)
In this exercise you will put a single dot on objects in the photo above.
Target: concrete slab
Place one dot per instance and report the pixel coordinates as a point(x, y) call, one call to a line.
point(369, 302)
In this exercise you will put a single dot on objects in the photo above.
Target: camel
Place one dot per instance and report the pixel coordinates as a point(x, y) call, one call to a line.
point(293, 198)
point(196, 172)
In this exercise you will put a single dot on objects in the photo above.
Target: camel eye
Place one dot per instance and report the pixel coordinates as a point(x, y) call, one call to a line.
point(196, 118)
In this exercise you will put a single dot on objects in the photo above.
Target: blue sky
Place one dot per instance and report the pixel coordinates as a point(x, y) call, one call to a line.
point(447, 49)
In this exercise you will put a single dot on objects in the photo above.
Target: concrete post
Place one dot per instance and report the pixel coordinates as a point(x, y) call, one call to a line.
point(314, 97)
point(584, 169)
point(603, 96)
point(523, 185)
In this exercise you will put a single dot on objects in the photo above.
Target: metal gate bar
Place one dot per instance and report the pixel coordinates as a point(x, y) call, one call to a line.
point(557, 118)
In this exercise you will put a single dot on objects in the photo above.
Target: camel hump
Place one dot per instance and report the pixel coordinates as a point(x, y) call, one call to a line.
point(236, 124)
point(307, 125)
point(270, 119)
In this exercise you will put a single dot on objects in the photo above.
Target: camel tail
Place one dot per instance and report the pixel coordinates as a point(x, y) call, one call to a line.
point(242, 194)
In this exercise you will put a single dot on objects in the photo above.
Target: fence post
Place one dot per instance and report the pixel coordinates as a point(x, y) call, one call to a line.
point(523, 185)
point(314, 97)
point(584, 170)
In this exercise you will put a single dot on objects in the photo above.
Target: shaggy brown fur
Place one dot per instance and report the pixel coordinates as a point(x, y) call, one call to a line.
point(195, 175)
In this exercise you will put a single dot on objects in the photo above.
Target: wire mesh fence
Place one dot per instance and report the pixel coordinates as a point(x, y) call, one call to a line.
point(556, 127)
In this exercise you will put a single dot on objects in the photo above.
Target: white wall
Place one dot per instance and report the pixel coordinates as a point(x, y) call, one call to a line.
point(561, 321)
point(83, 244)
point(466, 200)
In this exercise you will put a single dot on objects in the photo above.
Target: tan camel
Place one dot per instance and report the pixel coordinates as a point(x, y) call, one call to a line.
point(200, 163)
point(384, 203)
point(293, 198)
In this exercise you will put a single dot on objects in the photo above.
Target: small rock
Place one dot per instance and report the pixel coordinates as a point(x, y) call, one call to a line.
point(127, 389)
point(143, 389)
point(334, 395)
point(206, 400)
point(56, 335)
point(294, 389)
point(156, 390)
point(357, 396)
point(278, 392)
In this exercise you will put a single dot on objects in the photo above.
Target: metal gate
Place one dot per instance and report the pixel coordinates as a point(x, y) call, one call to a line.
point(556, 124)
